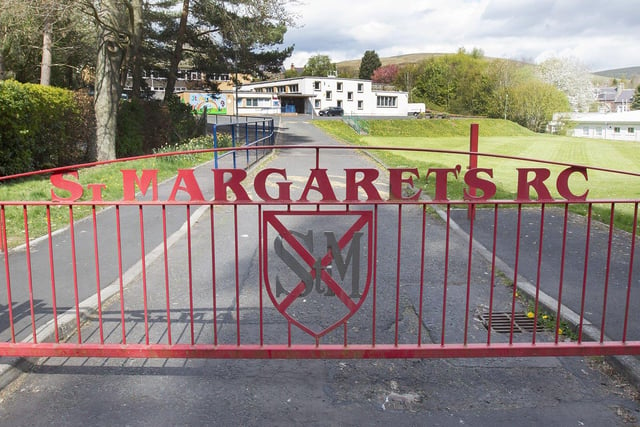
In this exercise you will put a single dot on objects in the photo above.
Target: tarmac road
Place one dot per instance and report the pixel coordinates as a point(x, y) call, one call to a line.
point(431, 392)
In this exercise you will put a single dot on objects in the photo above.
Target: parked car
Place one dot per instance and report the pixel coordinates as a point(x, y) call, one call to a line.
point(331, 111)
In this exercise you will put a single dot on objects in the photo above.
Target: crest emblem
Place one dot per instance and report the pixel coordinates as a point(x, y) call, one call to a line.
point(317, 266)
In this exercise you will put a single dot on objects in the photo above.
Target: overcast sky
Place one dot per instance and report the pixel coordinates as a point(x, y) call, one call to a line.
point(601, 34)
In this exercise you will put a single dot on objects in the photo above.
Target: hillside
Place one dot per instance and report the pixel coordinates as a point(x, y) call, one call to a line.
point(412, 58)
point(629, 73)
point(620, 73)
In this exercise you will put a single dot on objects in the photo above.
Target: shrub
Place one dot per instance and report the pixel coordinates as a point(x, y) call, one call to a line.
point(145, 126)
point(41, 127)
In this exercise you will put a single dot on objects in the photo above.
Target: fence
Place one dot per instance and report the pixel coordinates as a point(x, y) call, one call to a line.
point(321, 255)
point(247, 131)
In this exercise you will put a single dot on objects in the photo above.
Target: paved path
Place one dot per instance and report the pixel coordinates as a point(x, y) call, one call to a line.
point(484, 392)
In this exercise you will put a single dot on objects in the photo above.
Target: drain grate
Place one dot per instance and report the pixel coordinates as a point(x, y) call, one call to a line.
point(501, 322)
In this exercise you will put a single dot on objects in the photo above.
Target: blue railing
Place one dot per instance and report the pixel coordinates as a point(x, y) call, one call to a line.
point(248, 132)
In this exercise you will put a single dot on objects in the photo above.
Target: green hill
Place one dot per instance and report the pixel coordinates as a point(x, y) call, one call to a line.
point(620, 73)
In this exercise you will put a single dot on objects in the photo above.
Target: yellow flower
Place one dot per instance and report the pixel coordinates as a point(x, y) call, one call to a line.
point(545, 317)
point(559, 331)
point(530, 315)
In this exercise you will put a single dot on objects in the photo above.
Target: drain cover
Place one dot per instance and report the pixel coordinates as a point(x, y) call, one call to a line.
point(501, 322)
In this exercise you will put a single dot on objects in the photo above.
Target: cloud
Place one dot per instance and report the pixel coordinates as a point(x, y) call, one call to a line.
point(601, 34)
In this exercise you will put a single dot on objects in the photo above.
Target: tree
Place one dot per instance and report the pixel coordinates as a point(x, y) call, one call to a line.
point(532, 104)
point(572, 78)
point(19, 33)
point(45, 41)
point(229, 36)
point(116, 24)
point(387, 74)
point(368, 64)
point(207, 33)
point(503, 75)
point(319, 65)
point(433, 85)
point(635, 105)
point(455, 83)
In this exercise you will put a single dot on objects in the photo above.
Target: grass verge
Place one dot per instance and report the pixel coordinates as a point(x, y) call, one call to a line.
point(39, 189)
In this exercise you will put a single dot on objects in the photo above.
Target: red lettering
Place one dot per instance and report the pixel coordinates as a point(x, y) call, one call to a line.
point(96, 191)
point(260, 185)
point(190, 185)
point(234, 183)
point(396, 180)
point(366, 183)
point(441, 180)
point(130, 179)
point(562, 183)
point(472, 179)
point(74, 188)
point(537, 183)
point(323, 186)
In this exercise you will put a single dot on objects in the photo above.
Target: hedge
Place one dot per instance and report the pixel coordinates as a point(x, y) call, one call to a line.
point(43, 127)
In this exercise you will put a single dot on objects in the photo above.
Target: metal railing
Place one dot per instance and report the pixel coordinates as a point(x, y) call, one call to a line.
point(313, 258)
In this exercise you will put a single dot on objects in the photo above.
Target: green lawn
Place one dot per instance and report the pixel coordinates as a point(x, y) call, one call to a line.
point(507, 139)
point(618, 155)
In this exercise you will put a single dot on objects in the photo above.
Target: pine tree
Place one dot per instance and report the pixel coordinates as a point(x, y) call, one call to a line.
point(369, 63)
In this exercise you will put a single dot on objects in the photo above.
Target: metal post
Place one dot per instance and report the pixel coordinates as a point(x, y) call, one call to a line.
point(215, 145)
point(473, 164)
point(246, 137)
point(233, 143)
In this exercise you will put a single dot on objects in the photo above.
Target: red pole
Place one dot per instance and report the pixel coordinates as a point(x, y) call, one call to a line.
point(473, 163)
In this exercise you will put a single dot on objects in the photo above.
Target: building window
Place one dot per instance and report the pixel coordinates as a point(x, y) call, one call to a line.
point(598, 131)
point(360, 105)
point(316, 103)
point(293, 88)
point(328, 95)
point(251, 102)
point(631, 130)
point(340, 103)
point(616, 130)
point(316, 85)
point(339, 87)
point(360, 87)
point(282, 89)
point(387, 101)
point(585, 130)
point(349, 96)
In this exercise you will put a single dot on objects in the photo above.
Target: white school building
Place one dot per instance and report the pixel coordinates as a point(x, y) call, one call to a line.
point(623, 126)
point(309, 95)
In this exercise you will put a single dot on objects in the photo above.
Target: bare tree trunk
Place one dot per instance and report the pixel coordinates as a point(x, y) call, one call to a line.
point(107, 84)
point(136, 42)
point(177, 53)
point(47, 43)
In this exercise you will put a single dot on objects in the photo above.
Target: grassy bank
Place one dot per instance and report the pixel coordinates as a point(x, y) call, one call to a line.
point(506, 139)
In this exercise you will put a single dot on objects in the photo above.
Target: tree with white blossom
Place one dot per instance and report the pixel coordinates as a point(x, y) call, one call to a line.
point(571, 77)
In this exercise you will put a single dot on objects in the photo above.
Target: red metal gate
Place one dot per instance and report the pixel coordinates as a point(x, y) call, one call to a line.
point(320, 254)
